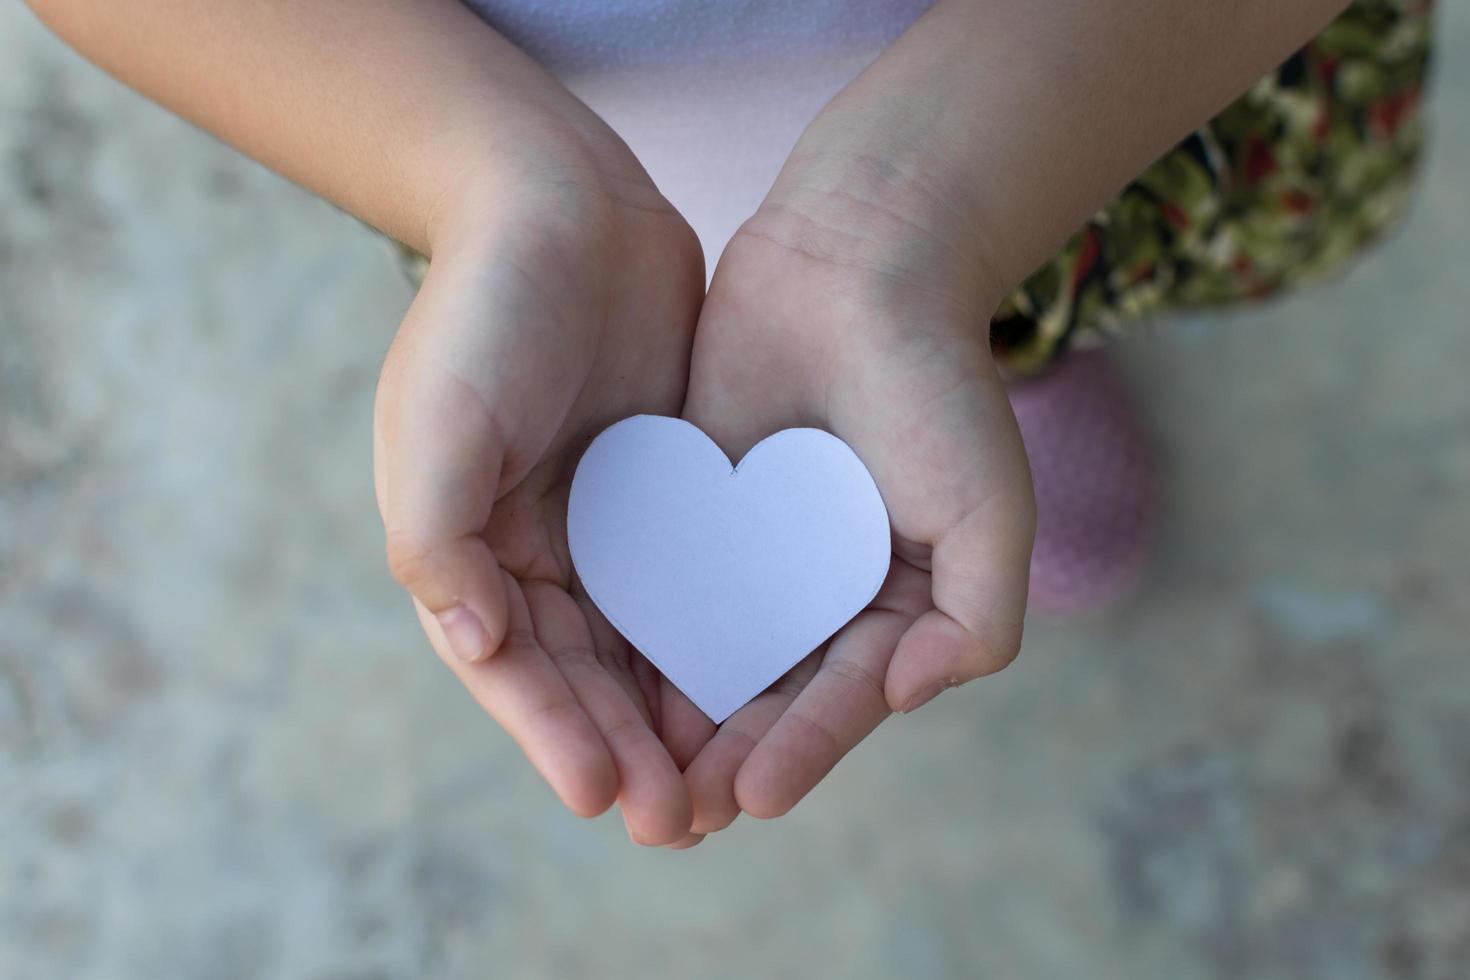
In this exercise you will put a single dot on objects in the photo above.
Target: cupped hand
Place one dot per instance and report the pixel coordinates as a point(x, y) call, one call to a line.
point(840, 310)
point(560, 298)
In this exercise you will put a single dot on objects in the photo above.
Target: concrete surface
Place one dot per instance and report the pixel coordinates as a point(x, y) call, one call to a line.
point(226, 752)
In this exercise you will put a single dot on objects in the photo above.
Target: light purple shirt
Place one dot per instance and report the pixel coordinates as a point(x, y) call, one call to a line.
point(573, 37)
point(711, 94)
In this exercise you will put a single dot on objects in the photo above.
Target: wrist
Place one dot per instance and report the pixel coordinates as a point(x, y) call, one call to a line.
point(562, 170)
point(893, 215)
point(899, 160)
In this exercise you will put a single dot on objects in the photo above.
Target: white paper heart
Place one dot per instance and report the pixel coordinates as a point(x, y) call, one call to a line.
point(725, 577)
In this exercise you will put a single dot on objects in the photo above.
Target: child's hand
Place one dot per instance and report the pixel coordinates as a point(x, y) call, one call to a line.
point(868, 317)
point(559, 300)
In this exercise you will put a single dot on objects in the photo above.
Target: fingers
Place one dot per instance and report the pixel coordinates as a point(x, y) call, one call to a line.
point(473, 392)
point(438, 463)
point(523, 691)
point(651, 790)
point(980, 572)
point(683, 727)
point(457, 582)
point(760, 761)
point(841, 705)
point(711, 776)
point(839, 708)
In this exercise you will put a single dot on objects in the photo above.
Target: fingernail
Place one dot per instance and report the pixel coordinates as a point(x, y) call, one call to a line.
point(924, 697)
point(465, 633)
point(632, 836)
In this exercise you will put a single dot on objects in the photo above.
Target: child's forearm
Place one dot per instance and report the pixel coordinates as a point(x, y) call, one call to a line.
point(385, 107)
point(1011, 121)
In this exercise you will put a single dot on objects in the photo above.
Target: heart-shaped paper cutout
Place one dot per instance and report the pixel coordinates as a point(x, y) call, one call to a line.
point(725, 577)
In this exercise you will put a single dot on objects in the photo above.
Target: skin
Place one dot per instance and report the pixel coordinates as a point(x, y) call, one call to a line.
point(562, 296)
point(794, 334)
point(549, 319)
point(855, 300)
point(565, 293)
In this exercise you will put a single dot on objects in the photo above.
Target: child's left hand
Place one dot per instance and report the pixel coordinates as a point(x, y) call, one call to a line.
point(867, 317)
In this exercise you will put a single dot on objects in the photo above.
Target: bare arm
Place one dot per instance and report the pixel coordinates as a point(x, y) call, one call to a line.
point(381, 106)
point(561, 297)
point(1001, 125)
point(856, 299)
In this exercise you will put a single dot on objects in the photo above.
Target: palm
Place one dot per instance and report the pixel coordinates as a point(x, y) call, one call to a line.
point(903, 377)
point(527, 339)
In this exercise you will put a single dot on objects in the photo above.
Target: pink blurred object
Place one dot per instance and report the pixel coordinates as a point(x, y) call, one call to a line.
point(1094, 476)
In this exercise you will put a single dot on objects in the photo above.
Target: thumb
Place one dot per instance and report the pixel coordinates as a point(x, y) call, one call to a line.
point(437, 463)
point(980, 566)
point(980, 573)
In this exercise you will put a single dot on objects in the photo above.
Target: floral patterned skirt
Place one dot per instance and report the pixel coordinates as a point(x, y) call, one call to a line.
point(1291, 180)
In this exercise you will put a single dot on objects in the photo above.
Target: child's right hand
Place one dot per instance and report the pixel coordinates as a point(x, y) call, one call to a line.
point(560, 298)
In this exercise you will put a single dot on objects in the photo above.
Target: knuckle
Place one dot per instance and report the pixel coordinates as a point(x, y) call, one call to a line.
point(865, 681)
point(574, 659)
point(632, 729)
point(788, 686)
point(822, 738)
point(517, 638)
point(556, 712)
point(410, 560)
point(1000, 648)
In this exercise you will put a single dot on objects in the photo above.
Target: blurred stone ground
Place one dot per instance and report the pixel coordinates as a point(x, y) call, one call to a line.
point(226, 752)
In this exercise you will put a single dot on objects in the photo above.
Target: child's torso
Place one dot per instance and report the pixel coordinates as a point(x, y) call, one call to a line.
point(577, 37)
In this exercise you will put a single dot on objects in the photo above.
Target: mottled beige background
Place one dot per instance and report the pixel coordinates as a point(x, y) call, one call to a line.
point(226, 752)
